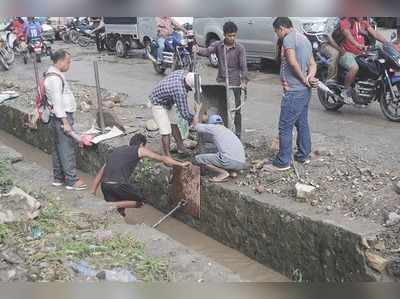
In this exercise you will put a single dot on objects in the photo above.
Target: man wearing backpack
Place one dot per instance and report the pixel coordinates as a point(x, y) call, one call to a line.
point(60, 96)
point(354, 31)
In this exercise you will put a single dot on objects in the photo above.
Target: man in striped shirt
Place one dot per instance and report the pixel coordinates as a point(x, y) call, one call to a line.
point(168, 98)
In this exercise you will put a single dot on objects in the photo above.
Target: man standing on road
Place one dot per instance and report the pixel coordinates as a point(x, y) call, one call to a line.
point(232, 69)
point(167, 97)
point(114, 175)
point(165, 28)
point(60, 96)
point(297, 72)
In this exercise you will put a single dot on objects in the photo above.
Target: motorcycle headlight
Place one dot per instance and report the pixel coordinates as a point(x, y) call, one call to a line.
point(315, 45)
point(314, 27)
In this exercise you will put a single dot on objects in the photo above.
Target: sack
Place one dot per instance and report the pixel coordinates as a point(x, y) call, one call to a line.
point(42, 105)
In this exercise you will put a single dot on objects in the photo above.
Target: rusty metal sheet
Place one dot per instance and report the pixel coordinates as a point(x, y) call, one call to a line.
point(186, 186)
point(214, 100)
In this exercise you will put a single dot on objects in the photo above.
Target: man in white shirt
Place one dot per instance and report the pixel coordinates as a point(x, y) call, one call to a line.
point(60, 96)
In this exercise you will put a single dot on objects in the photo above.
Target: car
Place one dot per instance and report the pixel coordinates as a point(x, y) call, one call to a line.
point(256, 33)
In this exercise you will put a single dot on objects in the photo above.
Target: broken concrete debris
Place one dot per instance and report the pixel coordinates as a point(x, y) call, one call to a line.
point(376, 262)
point(18, 206)
point(304, 191)
point(392, 219)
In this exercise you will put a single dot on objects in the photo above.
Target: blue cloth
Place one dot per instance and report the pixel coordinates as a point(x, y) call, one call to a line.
point(294, 113)
point(64, 162)
point(171, 90)
point(33, 30)
point(302, 46)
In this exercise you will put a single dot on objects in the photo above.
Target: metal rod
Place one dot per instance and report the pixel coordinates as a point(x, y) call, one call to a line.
point(296, 170)
point(99, 97)
point(35, 67)
point(197, 93)
point(182, 203)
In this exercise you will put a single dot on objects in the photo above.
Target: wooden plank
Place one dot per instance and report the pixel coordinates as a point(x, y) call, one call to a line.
point(186, 186)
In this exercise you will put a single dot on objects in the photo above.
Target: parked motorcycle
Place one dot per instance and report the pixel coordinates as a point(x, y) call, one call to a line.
point(78, 26)
point(19, 46)
point(6, 54)
point(376, 81)
point(87, 37)
point(177, 54)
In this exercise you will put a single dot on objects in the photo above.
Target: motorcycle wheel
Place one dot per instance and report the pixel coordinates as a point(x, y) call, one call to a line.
point(158, 68)
point(65, 37)
point(38, 58)
point(74, 36)
point(10, 56)
point(330, 103)
point(4, 63)
point(25, 58)
point(391, 107)
point(83, 41)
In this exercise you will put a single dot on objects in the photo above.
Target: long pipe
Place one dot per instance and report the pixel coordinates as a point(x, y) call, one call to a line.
point(99, 97)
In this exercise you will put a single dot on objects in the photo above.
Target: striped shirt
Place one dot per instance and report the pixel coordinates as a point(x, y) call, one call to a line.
point(171, 90)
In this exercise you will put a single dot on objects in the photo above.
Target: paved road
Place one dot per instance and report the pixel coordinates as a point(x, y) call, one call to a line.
point(366, 131)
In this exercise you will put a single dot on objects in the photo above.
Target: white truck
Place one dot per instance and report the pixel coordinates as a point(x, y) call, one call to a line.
point(125, 33)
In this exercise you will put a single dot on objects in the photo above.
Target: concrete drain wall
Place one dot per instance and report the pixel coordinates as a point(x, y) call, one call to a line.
point(279, 233)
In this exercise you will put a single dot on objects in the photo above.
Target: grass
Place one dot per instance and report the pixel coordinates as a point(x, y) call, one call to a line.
point(66, 236)
point(4, 231)
point(71, 237)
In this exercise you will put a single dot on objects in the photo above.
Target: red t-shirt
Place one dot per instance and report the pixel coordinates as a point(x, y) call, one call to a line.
point(355, 31)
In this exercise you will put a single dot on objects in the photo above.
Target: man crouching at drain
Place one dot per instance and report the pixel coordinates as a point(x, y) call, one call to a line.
point(114, 175)
point(230, 157)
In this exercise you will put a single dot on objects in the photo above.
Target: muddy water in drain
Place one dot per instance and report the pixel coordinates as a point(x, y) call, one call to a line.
point(247, 268)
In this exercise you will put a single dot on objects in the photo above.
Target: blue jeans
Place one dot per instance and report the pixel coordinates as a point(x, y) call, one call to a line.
point(160, 49)
point(294, 113)
point(64, 164)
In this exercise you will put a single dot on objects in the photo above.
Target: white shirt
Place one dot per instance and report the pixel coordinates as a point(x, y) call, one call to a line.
point(62, 102)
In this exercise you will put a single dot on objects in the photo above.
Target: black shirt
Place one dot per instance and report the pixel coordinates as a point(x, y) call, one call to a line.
point(120, 164)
